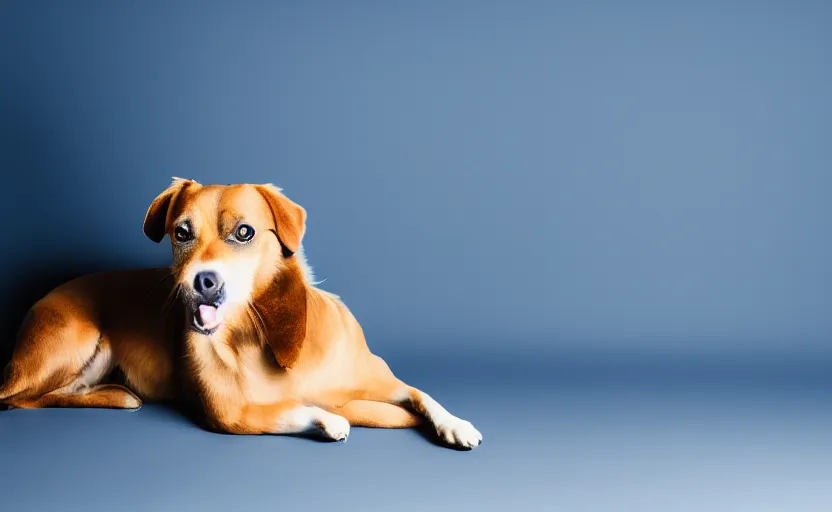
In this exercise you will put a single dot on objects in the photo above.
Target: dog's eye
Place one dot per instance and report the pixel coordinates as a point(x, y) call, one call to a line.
point(244, 233)
point(183, 233)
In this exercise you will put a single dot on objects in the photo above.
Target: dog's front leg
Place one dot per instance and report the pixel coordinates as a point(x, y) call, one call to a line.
point(286, 417)
point(452, 430)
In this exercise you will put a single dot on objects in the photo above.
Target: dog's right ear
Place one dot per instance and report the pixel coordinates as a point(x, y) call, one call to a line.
point(157, 216)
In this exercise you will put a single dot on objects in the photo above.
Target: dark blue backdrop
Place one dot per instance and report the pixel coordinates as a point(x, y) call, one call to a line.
point(520, 178)
point(524, 175)
point(545, 175)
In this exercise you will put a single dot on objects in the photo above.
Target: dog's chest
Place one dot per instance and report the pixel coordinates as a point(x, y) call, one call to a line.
point(250, 373)
point(240, 373)
point(261, 379)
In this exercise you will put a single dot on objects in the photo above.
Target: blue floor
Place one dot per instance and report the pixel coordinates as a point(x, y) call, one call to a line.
point(616, 441)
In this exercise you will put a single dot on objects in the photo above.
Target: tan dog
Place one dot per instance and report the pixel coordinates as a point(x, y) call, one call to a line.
point(234, 325)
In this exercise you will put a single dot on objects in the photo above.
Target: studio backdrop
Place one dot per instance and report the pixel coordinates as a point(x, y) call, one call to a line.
point(481, 177)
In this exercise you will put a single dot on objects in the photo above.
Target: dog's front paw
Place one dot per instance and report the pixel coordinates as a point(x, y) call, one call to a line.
point(335, 427)
point(459, 433)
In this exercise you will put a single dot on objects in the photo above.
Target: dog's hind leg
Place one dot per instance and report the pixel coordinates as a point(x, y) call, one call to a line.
point(59, 351)
point(109, 396)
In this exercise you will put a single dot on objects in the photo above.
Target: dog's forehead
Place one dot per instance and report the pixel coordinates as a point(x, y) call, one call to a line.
point(214, 201)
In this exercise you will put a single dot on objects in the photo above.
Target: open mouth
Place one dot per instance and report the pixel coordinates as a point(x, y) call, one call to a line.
point(207, 318)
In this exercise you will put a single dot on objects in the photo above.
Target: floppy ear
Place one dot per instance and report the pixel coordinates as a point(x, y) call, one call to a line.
point(156, 218)
point(289, 217)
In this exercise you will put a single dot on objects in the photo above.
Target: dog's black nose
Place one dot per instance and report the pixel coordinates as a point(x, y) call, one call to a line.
point(208, 285)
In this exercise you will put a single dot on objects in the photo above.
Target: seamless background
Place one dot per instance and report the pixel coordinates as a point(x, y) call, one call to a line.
point(599, 229)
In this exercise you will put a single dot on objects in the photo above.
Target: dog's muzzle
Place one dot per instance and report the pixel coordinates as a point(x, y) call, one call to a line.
point(209, 296)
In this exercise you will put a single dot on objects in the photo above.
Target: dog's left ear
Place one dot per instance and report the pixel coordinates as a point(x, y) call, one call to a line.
point(289, 217)
point(156, 218)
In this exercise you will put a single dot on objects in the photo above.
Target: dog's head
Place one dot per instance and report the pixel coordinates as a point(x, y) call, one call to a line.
point(229, 243)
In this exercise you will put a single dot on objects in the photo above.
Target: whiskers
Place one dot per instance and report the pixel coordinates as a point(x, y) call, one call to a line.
point(158, 283)
point(173, 295)
point(171, 300)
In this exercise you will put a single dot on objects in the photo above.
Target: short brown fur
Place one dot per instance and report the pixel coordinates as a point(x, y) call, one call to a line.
point(286, 358)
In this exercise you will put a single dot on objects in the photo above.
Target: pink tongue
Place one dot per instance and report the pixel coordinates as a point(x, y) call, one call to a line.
point(209, 316)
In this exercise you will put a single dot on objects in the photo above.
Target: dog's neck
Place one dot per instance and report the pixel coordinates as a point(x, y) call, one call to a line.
point(282, 311)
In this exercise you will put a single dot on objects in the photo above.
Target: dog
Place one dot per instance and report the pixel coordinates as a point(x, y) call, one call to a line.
point(236, 326)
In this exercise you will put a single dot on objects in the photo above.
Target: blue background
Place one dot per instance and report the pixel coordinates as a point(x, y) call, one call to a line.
point(545, 213)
